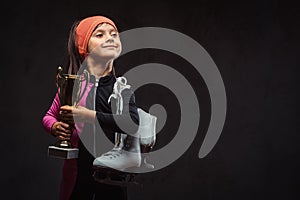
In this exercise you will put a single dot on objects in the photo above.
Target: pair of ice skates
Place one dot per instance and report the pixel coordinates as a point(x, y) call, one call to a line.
point(119, 165)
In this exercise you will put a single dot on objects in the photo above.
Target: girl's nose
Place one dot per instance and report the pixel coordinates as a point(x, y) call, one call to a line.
point(109, 39)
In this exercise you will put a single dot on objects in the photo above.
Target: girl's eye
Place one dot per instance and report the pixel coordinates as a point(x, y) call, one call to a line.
point(114, 34)
point(99, 35)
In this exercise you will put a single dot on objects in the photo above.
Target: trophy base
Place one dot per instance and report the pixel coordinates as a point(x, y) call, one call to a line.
point(64, 153)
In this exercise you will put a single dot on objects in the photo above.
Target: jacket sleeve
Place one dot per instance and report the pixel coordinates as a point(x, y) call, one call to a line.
point(128, 120)
point(52, 115)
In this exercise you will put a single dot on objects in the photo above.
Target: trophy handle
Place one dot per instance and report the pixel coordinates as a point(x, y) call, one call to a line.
point(80, 94)
point(79, 78)
point(58, 75)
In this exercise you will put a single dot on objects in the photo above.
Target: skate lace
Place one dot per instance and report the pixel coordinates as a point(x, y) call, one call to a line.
point(119, 86)
point(114, 153)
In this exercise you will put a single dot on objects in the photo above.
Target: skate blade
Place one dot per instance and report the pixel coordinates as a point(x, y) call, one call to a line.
point(111, 176)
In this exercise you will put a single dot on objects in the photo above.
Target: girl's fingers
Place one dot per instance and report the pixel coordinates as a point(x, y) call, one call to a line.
point(62, 135)
point(63, 138)
point(64, 128)
point(67, 115)
point(65, 125)
point(66, 108)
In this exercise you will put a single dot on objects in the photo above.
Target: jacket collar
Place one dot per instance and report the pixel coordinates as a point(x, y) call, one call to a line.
point(105, 80)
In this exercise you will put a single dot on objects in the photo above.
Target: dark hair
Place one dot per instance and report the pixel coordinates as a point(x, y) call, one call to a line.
point(74, 59)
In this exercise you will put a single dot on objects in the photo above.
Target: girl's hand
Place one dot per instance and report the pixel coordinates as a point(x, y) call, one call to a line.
point(61, 130)
point(80, 114)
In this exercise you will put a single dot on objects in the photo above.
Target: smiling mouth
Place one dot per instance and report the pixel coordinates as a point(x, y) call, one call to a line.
point(110, 46)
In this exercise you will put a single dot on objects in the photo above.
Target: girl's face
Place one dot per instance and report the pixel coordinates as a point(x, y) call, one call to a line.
point(105, 42)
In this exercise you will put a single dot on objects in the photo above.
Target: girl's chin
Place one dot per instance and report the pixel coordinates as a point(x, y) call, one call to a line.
point(103, 56)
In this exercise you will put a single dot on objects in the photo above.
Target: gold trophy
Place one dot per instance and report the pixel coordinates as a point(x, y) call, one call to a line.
point(69, 92)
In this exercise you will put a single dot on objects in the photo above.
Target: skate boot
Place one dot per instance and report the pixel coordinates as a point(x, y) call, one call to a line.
point(147, 133)
point(126, 154)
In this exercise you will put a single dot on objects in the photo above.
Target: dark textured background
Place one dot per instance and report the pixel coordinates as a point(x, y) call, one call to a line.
point(253, 43)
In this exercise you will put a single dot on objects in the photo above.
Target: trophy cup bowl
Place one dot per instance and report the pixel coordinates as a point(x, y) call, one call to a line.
point(69, 92)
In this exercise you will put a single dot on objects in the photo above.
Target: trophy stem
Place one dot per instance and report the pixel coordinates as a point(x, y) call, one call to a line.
point(63, 144)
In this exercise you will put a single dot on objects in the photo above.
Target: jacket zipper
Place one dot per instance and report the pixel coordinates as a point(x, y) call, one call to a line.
point(94, 125)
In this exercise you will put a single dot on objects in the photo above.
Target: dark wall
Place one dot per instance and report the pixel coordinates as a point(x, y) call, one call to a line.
point(255, 46)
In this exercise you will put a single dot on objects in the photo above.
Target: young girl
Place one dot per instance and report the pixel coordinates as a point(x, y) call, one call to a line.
point(94, 44)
